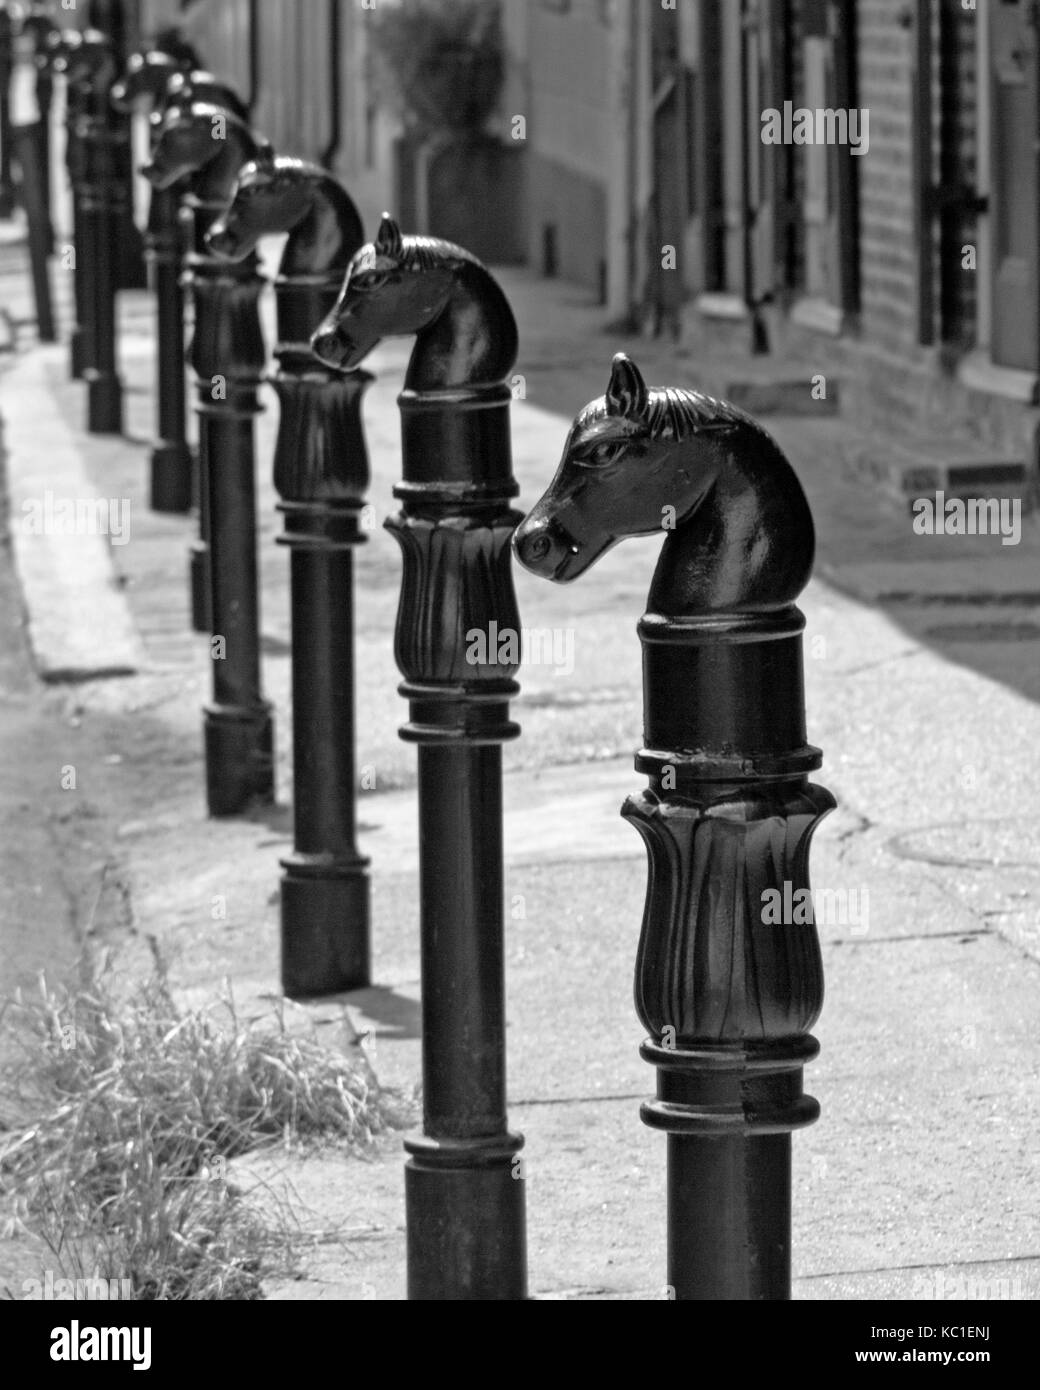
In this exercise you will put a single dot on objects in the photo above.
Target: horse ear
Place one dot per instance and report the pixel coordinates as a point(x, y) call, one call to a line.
point(388, 238)
point(626, 393)
point(264, 152)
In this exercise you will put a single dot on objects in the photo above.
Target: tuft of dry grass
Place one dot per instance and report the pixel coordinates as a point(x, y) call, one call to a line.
point(139, 1106)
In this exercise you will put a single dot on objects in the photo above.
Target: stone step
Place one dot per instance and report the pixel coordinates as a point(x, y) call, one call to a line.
point(914, 469)
point(786, 395)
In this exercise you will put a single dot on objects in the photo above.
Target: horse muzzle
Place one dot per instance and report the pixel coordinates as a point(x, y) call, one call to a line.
point(223, 242)
point(331, 346)
point(159, 176)
point(546, 549)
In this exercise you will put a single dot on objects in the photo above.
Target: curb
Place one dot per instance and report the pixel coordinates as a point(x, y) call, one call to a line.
point(79, 622)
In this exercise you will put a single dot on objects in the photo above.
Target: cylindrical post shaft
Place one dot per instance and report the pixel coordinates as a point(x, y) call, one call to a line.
point(195, 220)
point(325, 887)
point(6, 69)
point(81, 337)
point(44, 101)
point(729, 1218)
point(39, 25)
point(228, 359)
point(111, 19)
point(30, 139)
point(464, 1180)
point(171, 461)
point(460, 845)
point(322, 594)
point(101, 212)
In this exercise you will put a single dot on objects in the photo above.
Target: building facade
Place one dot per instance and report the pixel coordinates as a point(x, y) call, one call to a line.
point(892, 229)
point(667, 165)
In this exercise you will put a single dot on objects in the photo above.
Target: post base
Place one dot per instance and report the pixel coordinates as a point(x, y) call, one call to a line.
point(104, 402)
point(78, 362)
point(201, 612)
point(466, 1219)
point(239, 757)
point(171, 478)
point(325, 926)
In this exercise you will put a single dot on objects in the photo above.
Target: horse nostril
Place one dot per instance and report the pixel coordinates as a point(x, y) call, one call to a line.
point(327, 346)
point(154, 174)
point(535, 548)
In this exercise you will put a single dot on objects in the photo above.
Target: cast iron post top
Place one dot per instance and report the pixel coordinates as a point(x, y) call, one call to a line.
point(38, 22)
point(88, 59)
point(186, 87)
point(639, 460)
point(85, 57)
point(207, 144)
point(57, 44)
point(284, 194)
point(145, 78)
point(399, 285)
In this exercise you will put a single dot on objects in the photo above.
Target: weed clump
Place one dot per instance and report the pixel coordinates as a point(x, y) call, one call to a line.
point(139, 1107)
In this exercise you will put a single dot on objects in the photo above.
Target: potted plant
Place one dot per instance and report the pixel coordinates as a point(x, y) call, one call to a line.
point(443, 61)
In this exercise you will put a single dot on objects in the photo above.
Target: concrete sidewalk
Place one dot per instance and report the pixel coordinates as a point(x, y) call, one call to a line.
point(922, 1169)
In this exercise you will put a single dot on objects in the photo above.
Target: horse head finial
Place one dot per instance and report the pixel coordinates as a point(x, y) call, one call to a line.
point(184, 88)
point(464, 328)
point(205, 143)
point(640, 461)
point(389, 241)
point(173, 43)
point(144, 79)
point(59, 48)
point(627, 394)
point(89, 59)
point(285, 194)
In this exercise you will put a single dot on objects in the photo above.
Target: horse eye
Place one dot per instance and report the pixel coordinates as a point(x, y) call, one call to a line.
point(371, 280)
point(603, 453)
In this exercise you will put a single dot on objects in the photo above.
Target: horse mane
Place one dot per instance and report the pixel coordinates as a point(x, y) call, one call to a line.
point(673, 412)
point(424, 253)
point(284, 166)
point(291, 163)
